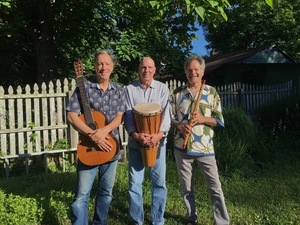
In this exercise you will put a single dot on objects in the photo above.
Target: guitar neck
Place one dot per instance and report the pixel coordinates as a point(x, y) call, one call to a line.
point(85, 103)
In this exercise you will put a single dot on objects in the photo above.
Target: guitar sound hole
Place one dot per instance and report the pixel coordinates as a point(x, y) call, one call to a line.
point(91, 149)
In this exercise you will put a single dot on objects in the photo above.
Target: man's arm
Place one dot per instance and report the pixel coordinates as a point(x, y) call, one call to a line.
point(78, 124)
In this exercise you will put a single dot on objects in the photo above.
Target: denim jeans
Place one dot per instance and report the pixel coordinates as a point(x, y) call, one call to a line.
point(85, 179)
point(158, 180)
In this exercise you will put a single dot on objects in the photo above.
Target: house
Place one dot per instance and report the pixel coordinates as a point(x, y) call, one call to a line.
point(265, 65)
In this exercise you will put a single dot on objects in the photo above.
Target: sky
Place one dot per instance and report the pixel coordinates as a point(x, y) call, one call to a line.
point(198, 45)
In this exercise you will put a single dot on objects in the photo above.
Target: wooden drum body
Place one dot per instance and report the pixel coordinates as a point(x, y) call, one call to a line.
point(147, 118)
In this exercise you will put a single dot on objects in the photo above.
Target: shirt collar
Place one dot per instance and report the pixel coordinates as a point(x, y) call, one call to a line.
point(110, 86)
point(152, 85)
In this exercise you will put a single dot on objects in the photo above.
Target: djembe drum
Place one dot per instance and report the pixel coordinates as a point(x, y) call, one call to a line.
point(147, 118)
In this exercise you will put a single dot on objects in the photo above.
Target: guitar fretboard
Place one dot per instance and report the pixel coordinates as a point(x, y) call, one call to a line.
point(85, 103)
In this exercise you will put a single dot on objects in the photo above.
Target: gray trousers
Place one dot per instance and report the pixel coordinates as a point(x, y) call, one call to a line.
point(209, 169)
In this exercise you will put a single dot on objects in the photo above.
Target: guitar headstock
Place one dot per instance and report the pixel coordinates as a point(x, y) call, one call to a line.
point(78, 67)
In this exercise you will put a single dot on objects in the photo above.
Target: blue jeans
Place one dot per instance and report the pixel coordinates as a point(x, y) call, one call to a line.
point(85, 179)
point(159, 189)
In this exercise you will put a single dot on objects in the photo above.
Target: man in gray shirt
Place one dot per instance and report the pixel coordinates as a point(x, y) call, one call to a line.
point(147, 90)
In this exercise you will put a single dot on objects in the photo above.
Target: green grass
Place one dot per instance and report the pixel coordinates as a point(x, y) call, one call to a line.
point(271, 196)
point(259, 167)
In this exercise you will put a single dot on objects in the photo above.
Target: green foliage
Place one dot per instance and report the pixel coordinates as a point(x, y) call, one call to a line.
point(71, 29)
point(269, 2)
point(279, 125)
point(56, 165)
point(5, 4)
point(233, 143)
point(246, 145)
point(263, 198)
point(57, 32)
point(15, 209)
point(59, 144)
point(271, 197)
point(282, 116)
point(206, 10)
point(246, 27)
point(32, 138)
point(58, 208)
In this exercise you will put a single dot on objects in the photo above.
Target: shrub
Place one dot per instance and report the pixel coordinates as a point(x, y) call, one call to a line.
point(282, 116)
point(279, 130)
point(57, 209)
point(15, 209)
point(233, 144)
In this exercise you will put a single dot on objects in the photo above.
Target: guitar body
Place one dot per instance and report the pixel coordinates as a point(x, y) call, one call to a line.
point(88, 152)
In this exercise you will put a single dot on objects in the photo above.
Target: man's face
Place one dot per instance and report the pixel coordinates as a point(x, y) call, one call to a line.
point(147, 70)
point(194, 72)
point(104, 66)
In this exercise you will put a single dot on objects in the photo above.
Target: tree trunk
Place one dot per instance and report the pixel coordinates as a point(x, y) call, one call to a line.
point(45, 61)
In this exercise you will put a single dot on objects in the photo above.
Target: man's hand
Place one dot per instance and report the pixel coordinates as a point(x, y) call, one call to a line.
point(197, 119)
point(101, 138)
point(185, 129)
point(148, 140)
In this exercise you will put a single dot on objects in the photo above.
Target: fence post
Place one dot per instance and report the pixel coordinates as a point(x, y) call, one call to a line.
point(240, 95)
point(73, 133)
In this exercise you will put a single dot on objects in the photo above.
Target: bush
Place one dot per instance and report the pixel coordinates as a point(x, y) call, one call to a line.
point(57, 209)
point(15, 209)
point(233, 144)
point(282, 117)
point(279, 131)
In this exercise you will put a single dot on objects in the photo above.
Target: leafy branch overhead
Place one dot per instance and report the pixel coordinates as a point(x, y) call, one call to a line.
point(206, 10)
point(41, 38)
point(253, 24)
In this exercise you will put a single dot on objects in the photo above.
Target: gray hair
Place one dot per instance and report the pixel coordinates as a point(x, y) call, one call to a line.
point(103, 51)
point(188, 61)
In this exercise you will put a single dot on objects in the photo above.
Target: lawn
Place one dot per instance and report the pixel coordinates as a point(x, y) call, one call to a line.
point(270, 196)
point(259, 169)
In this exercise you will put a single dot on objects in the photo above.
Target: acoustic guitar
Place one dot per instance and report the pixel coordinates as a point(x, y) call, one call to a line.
point(88, 152)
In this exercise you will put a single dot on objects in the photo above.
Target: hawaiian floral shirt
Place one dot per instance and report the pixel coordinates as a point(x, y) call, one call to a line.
point(200, 142)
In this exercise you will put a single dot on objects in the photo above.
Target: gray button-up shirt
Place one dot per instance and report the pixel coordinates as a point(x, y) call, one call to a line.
point(157, 92)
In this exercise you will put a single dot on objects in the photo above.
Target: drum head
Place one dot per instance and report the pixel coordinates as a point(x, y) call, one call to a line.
point(147, 108)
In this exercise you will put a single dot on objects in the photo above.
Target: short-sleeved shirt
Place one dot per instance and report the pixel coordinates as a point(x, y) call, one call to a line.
point(200, 142)
point(109, 102)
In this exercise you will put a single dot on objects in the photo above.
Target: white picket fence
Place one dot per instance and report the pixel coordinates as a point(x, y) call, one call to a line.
point(33, 119)
point(253, 97)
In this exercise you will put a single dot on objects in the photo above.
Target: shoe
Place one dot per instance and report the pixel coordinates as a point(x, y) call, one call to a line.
point(191, 222)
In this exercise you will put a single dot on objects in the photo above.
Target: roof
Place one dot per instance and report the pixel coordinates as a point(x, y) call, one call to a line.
point(269, 54)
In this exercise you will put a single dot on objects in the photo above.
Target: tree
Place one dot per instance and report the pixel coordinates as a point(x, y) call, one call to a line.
point(40, 38)
point(252, 24)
